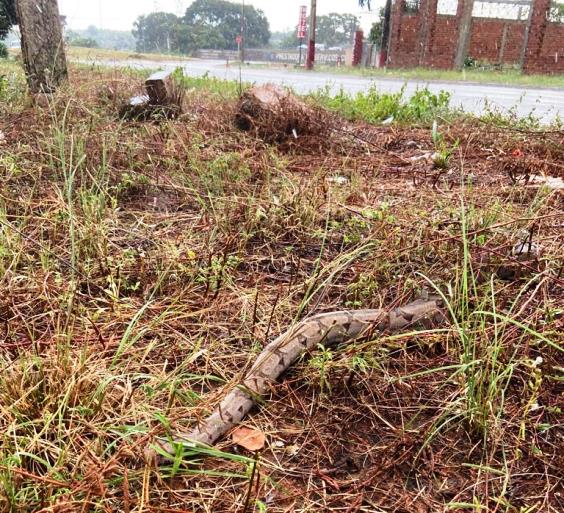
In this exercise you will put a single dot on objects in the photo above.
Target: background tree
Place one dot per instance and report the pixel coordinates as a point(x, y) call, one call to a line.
point(83, 42)
point(216, 24)
point(156, 32)
point(7, 16)
point(375, 36)
point(279, 39)
point(556, 13)
point(332, 30)
point(336, 29)
point(104, 38)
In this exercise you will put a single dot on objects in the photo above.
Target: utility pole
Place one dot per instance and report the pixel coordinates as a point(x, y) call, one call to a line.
point(312, 28)
point(242, 39)
point(43, 48)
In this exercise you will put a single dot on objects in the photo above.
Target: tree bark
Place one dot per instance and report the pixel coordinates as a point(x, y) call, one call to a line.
point(43, 47)
point(464, 34)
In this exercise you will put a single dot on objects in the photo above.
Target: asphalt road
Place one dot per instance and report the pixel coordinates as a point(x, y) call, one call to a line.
point(544, 103)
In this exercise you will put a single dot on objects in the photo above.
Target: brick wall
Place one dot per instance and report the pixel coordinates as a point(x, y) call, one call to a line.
point(497, 41)
point(428, 39)
point(443, 43)
point(545, 51)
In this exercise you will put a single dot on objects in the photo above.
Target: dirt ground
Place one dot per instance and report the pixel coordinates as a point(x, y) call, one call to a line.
point(144, 265)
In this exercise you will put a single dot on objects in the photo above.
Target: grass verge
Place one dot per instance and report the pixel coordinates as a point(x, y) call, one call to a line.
point(144, 265)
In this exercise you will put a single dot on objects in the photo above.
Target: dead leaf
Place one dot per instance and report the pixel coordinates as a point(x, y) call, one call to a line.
point(251, 439)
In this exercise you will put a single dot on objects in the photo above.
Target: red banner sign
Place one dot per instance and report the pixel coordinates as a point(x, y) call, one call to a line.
point(302, 25)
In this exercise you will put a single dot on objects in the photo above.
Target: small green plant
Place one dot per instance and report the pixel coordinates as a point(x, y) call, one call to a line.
point(3, 51)
point(218, 272)
point(443, 151)
point(321, 362)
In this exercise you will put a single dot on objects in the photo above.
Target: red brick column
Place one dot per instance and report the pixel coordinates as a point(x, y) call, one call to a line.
point(358, 47)
point(428, 12)
point(397, 11)
point(539, 23)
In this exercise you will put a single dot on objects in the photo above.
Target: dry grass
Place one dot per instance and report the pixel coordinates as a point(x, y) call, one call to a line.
point(144, 265)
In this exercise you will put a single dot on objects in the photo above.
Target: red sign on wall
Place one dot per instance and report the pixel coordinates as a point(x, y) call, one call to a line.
point(302, 25)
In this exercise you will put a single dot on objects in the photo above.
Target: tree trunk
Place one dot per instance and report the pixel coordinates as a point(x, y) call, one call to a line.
point(43, 47)
point(464, 34)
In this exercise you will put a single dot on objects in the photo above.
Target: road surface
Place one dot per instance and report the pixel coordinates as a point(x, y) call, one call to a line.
point(547, 104)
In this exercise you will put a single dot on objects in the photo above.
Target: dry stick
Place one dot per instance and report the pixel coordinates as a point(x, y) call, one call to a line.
point(328, 329)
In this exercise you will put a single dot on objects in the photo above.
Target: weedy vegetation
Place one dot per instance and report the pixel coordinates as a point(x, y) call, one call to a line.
point(144, 265)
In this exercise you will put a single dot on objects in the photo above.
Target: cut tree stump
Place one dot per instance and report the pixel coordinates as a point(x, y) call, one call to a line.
point(161, 88)
point(276, 115)
point(163, 98)
point(43, 48)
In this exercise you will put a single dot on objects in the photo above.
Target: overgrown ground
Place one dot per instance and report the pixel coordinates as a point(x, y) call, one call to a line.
point(145, 265)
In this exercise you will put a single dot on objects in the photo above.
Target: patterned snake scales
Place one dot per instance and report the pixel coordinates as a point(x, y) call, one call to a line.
point(327, 329)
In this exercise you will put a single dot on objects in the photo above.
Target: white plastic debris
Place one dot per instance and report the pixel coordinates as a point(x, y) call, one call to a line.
point(429, 155)
point(526, 250)
point(339, 180)
point(552, 182)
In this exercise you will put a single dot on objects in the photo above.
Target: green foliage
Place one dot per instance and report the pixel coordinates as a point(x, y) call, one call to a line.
point(332, 30)
point(213, 24)
point(84, 42)
point(217, 23)
point(320, 364)
point(283, 39)
point(3, 51)
point(156, 32)
point(212, 85)
point(7, 16)
point(375, 36)
point(336, 29)
point(13, 89)
point(104, 38)
point(556, 13)
point(375, 107)
point(443, 151)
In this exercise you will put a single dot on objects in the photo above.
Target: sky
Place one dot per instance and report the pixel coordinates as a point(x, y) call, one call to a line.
point(120, 14)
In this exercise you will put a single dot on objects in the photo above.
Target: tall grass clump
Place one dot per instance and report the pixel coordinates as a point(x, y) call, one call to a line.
point(489, 341)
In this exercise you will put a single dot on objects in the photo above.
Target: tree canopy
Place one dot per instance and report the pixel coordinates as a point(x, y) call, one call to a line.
point(156, 32)
point(221, 22)
point(375, 35)
point(7, 16)
point(213, 24)
point(332, 30)
point(103, 38)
